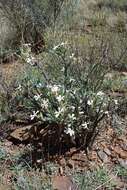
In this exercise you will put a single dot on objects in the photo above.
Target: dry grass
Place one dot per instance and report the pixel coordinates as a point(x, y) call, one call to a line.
point(11, 70)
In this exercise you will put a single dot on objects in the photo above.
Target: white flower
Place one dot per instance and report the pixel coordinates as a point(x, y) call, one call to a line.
point(70, 132)
point(81, 112)
point(49, 86)
point(37, 97)
point(27, 45)
point(59, 45)
point(32, 116)
point(60, 98)
point(90, 102)
point(19, 87)
point(73, 108)
point(31, 60)
point(104, 104)
point(80, 101)
point(72, 80)
point(74, 92)
point(107, 113)
point(97, 109)
point(63, 69)
point(44, 103)
point(116, 102)
point(39, 85)
point(56, 47)
point(72, 116)
point(55, 89)
point(100, 93)
point(85, 125)
point(59, 112)
point(63, 44)
point(72, 56)
point(28, 60)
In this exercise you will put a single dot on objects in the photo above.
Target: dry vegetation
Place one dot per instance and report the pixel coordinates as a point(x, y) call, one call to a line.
point(63, 94)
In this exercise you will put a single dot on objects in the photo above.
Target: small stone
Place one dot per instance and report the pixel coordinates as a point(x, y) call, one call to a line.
point(70, 164)
point(103, 156)
point(63, 183)
point(124, 147)
point(123, 163)
point(107, 151)
point(111, 148)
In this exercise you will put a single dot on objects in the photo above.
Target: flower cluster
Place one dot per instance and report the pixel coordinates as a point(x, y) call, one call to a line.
point(71, 108)
point(27, 55)
point(64, 101)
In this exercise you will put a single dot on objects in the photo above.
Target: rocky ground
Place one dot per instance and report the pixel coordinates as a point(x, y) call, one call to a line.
point(109, 151)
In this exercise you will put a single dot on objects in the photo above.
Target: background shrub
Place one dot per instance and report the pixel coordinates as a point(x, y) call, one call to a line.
point(28, 19)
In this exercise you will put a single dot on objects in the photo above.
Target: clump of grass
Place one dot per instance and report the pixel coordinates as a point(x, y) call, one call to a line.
point(115, 5)
point(3, 154)
point(115, 81)
point(97, 179)
point(121, 171)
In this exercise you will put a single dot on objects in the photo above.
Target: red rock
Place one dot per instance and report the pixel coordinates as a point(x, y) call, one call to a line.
point(93, 156)
point(103, 145)
point(63, 183)
point(21, 134)
point(120, 152)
